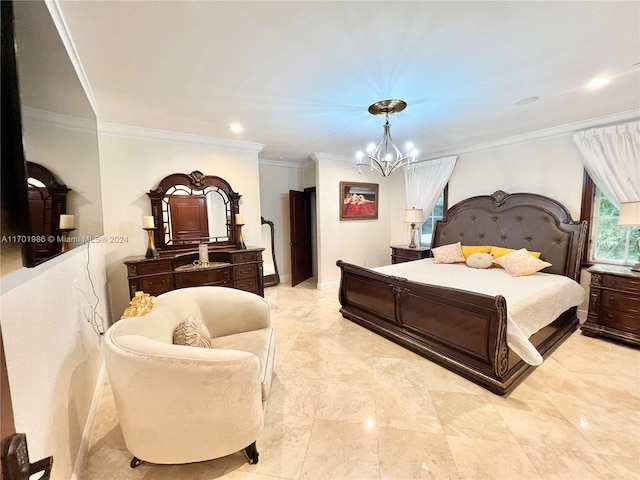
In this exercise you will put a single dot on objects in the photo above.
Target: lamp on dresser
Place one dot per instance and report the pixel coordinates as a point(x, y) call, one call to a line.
point(630, 216)
point(413, 216)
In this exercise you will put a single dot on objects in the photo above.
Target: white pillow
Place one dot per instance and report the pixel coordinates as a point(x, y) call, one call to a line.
point(192, 332)
point(480, 260)
point(448, 253)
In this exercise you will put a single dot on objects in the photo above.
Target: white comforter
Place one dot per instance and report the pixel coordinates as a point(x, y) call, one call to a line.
point(533, 301)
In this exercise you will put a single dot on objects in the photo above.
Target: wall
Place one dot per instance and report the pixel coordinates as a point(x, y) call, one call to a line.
point(53, 354)
point(361, 242)
point(549, 166)
point(134, 160)
point(276, 179)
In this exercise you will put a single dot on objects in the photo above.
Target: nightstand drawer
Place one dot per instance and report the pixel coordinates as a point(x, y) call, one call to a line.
point(621, 283)
point(620, 301)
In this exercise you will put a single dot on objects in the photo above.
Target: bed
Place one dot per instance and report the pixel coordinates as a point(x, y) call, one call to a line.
point(463, 330)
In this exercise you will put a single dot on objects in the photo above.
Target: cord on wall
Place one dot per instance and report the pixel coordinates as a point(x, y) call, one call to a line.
point(90, 309)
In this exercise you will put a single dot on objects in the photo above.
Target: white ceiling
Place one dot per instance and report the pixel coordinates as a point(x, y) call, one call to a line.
point(299, 76)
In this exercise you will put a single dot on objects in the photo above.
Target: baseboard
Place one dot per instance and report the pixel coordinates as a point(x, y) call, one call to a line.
point(89, 426)
point(328, 285)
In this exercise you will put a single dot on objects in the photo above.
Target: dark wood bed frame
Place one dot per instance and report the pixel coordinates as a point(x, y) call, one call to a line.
point(463, 331)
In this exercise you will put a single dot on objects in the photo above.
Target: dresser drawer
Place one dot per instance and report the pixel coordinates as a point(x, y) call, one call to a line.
point(157, 284)
point(620, 321)
point(621, 283)
point(218, 276)
point(244, 257)
point(154, 267)
point(245, 271)
point(626, 302)
point(248, 284)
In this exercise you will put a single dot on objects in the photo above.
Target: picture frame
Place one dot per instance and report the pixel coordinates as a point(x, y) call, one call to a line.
point(358, 201)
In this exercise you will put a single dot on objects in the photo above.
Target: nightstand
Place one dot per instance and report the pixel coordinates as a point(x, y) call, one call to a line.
point(402, 253)
point(614, 304)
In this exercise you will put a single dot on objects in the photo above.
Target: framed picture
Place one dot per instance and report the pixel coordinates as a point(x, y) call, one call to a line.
point(358, 201)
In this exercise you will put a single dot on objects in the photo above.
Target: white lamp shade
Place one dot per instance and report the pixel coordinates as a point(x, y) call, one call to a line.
point(629, 214)
point(413, 215)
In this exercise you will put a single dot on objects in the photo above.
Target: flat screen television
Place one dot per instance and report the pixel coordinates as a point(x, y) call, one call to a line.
point(47, 121)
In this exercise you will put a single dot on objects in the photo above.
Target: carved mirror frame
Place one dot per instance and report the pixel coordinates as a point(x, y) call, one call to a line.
point(195, 180)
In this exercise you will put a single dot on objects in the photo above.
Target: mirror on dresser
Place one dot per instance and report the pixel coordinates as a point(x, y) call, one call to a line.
point(194, 208)
point(191, 211)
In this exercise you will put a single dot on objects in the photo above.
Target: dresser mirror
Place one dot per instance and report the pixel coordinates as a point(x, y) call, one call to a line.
point(194, 208)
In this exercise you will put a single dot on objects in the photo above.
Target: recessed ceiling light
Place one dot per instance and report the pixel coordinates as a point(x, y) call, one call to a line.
point(598, 82)
point(235, 127)
point(526, 100)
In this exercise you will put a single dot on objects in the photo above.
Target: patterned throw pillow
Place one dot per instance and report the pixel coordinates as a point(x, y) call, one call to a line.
point(192, 332)
point(448, 254)
point(521, 263)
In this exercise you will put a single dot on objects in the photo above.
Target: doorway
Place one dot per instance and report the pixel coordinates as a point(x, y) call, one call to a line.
point(301, 214)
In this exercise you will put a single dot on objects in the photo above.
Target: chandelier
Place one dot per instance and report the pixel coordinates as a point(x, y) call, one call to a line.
point(386, 157)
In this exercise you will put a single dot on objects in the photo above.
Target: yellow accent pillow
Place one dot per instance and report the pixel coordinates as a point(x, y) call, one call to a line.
point(451, 253)
point(520, 263)
point(498, 252)
point(470, 249)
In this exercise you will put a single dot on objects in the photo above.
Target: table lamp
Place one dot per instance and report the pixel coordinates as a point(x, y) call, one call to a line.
point(413, 216)
point(630, 217)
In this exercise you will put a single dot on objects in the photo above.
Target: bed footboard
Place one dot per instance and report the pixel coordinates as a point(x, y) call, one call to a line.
point(464, 332)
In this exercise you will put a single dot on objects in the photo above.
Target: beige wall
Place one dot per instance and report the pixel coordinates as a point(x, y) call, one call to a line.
point(276, 179)
point(53, 354)
point(361, 242)
point(550, 167)
point(133, 161)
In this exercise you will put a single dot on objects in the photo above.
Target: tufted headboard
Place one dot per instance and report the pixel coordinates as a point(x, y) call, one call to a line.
point(519, 220)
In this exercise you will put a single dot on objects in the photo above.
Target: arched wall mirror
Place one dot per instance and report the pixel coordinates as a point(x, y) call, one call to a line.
point(194, 208)
point(47, 201)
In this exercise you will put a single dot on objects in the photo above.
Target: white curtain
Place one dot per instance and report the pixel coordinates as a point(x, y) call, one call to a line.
point(425, 181)
point(612, 160)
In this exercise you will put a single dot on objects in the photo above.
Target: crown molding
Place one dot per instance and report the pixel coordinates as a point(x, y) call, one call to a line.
point(546, 133)
point(58, 19)
point(280, 163)
point(330, 157)
point(128, 131)
point(58, 120)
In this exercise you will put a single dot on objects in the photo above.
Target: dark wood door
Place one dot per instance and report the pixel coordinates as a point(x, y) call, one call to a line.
point(300, 225)
point(189, 218)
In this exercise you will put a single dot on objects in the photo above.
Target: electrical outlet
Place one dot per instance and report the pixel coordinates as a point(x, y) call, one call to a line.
point(364, 263)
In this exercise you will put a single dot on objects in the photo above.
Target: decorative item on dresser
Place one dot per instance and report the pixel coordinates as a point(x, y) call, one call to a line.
point(614, 304)
point(402, 253)
point(197, 239)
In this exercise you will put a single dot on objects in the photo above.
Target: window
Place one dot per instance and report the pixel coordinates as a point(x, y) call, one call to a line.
point(436, 214)
point(608, 243)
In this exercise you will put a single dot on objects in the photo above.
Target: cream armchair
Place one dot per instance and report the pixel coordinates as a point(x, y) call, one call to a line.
point(181, 404)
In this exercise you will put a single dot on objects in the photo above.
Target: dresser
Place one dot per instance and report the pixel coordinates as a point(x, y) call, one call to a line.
point(234, 268)
point(614, 304)
point(403, 253)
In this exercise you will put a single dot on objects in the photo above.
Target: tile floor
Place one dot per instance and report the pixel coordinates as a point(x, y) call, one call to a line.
point(348, 404)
